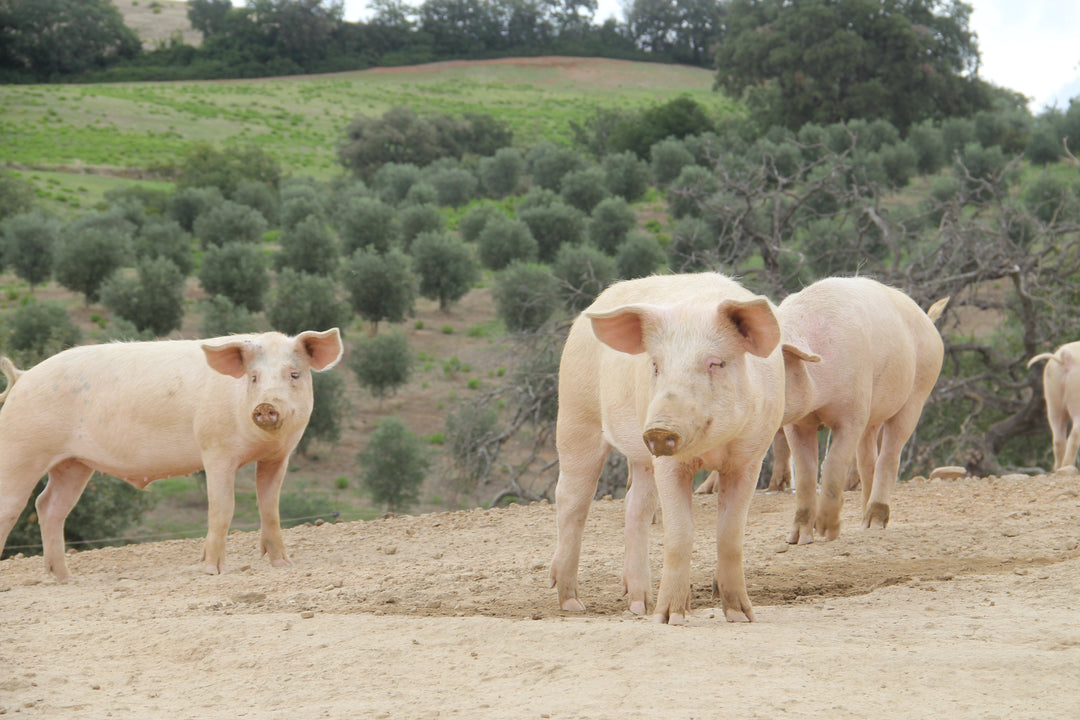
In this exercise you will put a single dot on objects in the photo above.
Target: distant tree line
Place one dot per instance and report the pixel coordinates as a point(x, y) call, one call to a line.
point(815, 61)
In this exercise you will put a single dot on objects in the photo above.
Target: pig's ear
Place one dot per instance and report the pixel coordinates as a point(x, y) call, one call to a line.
point(227, 358)
point(794, 352)
point(755, 322)
point(623, 328)
point(323, 348)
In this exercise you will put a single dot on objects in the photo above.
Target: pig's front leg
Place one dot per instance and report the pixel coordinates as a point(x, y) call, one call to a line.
point(269, 475)
point(674, 482)
point(640, 509)
point(220, 478)
point(734, 493)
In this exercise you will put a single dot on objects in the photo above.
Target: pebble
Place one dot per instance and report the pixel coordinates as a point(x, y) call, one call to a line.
point(307, 614)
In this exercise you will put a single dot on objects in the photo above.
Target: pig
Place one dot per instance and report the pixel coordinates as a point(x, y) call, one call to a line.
point(141, 411)
point(1061, 387)
point(678, 373)
point(874, 358)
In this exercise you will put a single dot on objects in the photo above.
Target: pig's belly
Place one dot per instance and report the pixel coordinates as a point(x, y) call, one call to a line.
point(139, 460)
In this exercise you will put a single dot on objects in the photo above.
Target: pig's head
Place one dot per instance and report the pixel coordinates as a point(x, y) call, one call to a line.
point(702, 390)
point(276, 369)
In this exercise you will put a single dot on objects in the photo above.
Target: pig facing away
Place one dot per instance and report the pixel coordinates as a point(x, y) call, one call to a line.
point(1061, 387)
point(148, 410)
point(678, 373)
point(880, 356)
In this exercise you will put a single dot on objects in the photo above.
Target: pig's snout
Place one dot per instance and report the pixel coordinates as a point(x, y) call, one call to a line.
point(266, 416)
point(662, 442)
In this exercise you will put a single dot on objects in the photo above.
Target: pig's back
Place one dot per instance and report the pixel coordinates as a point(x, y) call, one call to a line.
point(114, 401)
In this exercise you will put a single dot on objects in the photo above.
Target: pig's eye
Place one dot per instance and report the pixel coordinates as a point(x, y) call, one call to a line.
point(655, 369)
point(254, 378)
point(715, 364)
point(295, 374)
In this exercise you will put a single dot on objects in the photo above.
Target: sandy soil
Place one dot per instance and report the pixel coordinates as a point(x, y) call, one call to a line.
point(965, 607)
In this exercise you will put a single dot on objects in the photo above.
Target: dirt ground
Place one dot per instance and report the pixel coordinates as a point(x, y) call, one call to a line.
point(965, 607)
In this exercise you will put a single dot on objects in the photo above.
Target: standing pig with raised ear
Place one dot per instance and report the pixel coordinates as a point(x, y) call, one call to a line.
point(880, 356)
point(678, 373)
point(141, 411)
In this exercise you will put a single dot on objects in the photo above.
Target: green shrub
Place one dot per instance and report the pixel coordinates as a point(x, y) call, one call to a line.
point(417, 219)
point(37, 330)
point(504, 240)
point(309, 247)
point(29, 244)
point(394, 465)
point(553, 226)
point(152, 301)
point(584, 189)
point(381, 287)
point(583, 272)
point(164, 238)
point(229, 222)
point(238, 271)
point(445, 266)
point(501, 173)
point(639, 255)
point(609, 224)
point(366, 222)
point(382, 364)
point(220, 316)
point(525, 296)
point(306, 302)
point(186, 205)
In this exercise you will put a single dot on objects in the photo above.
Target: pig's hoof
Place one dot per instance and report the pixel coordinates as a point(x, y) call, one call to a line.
point(281, 562)
point(637, 607)
point(670, 619)
point(801, 536)
point(573, 605)
point(876, 517)
point(211, 569)
point(732, 615)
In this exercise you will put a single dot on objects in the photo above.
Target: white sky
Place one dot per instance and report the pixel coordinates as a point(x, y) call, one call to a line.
point(1031, 46)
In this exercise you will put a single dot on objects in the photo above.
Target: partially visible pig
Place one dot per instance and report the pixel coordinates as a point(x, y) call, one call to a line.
point(880, 356)
point(1061, 387)
point(678, 373)
point(147, 410)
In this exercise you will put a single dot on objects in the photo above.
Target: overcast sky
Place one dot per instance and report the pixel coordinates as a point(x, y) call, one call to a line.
point(1031, 46)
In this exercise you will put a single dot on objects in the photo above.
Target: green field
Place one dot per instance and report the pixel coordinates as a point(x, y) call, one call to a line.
point(107, 128)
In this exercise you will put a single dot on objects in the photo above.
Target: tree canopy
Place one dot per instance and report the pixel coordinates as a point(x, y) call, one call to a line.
point(829, 60)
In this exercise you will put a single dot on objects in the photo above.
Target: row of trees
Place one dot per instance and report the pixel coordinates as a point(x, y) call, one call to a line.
point(779, 210)
point(819, 61)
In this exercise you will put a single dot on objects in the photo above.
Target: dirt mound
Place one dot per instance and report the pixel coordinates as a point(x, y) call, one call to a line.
point(964, 607)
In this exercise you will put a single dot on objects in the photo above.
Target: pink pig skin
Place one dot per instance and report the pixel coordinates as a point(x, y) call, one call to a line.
point(1061, 388)
point(875, 356)
point(148, 410)
point(678, 373)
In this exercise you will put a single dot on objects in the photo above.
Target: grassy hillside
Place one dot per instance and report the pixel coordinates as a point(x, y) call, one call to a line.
point(75, 142)
point(125, 130)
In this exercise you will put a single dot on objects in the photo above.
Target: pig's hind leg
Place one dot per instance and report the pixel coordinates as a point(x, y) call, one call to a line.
point(67, 480)
point(18, 476)
point(641, 501)
point(581, 458)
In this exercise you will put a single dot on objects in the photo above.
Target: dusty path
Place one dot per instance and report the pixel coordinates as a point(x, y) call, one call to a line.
point(966, 607)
